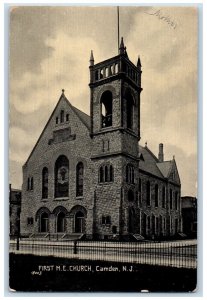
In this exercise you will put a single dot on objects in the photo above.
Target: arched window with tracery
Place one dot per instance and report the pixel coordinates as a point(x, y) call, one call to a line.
point(61, 177)
point(79, 179)
point(45, 183)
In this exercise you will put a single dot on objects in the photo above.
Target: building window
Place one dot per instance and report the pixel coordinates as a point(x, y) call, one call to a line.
point(101, 176)
point(62, 116)
point(129, 109)
point(176, 201)
point(28, 183)
point(111, 175)
point(163, 197)
point(79, 179)
point(148, 193)
point(130, 196)
point(140, 192)
point(106, 173)
point(171, 199)
point(31, 184)
point(156, 195)
point(45, 183)
point(56, 120)
point(67, 117)
point(106, 109)
point(106, 220)
point(130, 174)
point(61, 177)
point(30, 221)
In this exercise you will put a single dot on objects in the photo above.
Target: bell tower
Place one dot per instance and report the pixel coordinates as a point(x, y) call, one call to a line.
point(115, 87)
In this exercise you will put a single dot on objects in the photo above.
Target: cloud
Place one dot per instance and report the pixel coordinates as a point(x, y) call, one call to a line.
point(67, 68)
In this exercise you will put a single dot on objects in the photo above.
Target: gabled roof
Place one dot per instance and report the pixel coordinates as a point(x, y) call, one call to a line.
point(85, 119)
point(151, 164)
point(83, 116)
point(165, 167)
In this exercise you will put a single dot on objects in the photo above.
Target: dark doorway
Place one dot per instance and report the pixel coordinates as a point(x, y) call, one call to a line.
point(61, 222)
point(79, 222)
point(44, 222)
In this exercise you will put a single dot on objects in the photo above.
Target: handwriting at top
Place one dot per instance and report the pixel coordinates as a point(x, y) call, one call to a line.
point(164, 18)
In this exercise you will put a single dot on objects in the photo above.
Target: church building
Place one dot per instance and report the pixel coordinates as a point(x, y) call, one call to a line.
point(87, 177)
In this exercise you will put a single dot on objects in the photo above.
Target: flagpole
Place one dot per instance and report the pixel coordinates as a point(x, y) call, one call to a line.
point(118, 25)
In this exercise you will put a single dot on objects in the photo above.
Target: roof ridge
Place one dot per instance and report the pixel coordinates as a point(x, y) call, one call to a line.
point(157, 160)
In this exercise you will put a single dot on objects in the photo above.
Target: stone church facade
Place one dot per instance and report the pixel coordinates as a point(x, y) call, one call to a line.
point(88, 177)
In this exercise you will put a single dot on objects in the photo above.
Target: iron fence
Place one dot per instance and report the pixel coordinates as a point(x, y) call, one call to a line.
point(172, 254)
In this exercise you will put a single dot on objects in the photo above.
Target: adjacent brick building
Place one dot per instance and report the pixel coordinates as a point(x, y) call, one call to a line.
point(189, 215)
point(87, 175)
point(14, 211)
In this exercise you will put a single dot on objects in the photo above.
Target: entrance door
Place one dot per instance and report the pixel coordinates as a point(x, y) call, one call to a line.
point(61, 222)
point(79, 222)
point(44, 223)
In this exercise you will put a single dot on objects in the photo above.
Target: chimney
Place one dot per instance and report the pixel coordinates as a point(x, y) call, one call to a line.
point(161, 154)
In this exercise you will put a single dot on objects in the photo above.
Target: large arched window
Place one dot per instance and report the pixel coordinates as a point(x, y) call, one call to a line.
point(79, 179)
point(156, 195)
point(106, 109)
point(45, 183)
point(148, 193)
point(61, 177)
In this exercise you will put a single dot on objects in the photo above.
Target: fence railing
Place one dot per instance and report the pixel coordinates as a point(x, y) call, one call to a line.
point(174, 254)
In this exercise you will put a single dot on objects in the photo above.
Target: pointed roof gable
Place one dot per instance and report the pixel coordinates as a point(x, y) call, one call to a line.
point(165, 167)
point(149, 162)
point(84, 118)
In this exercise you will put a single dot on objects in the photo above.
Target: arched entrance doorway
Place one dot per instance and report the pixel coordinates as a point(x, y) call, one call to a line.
point(79, 222)
point(61, 222)
point(44, 222)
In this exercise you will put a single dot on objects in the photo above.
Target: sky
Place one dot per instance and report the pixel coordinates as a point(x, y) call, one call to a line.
point(50, 50)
